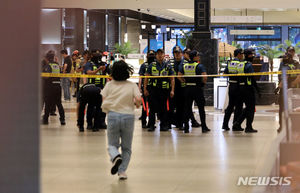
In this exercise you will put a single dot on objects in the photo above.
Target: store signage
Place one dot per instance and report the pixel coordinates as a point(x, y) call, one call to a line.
point(252, 32)
point(237, 19)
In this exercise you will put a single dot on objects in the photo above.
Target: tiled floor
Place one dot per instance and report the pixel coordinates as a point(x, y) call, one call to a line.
point(73, 162)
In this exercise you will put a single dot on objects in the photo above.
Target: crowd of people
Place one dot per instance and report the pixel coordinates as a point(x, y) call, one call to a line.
point(166, 91)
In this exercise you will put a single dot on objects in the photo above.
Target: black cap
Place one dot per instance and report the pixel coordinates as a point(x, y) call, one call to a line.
point(249, 51)
point(160, 50)
point(151, 52)
point(290, 48)
point(187, 50)
point(238, 51)
point(193, 54)
point(177, 49)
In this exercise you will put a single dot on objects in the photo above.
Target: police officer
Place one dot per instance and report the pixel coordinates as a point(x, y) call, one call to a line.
point(89, 94)
point(98, 68)
point(236, 66)
point(289, 63)
point(247, 86)
point(142, 72)
point(162, 89)
point(186, 57)
point(194, 89)
point(52, 95)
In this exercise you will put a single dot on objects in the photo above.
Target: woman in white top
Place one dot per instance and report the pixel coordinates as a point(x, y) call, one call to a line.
point(120, 97)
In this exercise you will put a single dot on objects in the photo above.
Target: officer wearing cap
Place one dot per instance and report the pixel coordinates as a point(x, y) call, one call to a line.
point(52, 95)
point(142, 72)
point(98, 67)
point(162, 89)
point(194, 89)
point(186, 54)
point(247, 85)
point(289, 62)
point(236, 66)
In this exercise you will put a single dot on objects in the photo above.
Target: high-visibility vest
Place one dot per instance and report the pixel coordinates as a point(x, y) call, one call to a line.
point(160, 82)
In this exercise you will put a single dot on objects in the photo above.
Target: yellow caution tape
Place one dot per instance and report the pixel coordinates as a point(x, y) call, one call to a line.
point(209, 75)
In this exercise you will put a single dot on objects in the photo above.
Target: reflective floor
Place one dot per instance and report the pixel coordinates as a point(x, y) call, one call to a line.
point(73, 162)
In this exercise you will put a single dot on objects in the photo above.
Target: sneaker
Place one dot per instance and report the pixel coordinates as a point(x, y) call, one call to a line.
point(250, 130)
point(122, 176)
point(116, 164)
point(144, 126)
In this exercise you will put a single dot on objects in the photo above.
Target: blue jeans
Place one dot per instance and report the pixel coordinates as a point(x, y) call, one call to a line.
point(120, 127)
point(66, 88)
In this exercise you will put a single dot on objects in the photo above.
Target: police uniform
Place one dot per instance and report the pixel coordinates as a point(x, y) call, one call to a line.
point(100, 82)
point(53, 93)
point(142, 72)
point(159, 94)
point(234, 104)
point(89, 94)
point(247, 94)
point(194, 91)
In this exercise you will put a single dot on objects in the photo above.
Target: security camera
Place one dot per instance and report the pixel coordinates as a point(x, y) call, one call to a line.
point(139, 9)
point(148, 10)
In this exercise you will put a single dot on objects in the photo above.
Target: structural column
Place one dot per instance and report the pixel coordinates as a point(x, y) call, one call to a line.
point(19, 84)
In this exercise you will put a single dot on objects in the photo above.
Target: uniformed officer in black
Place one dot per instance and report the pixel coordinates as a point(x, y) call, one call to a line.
point(52, 88)
point(247, 93)
point(234, 103)
point(98, 68)
point(89, 94)
point(142, 72)
point(161, 90)
point(288, 63)
point(194, 90)
point(186, 56)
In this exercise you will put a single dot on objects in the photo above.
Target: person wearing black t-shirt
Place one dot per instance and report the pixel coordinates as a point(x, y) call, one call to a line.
point(66, 70)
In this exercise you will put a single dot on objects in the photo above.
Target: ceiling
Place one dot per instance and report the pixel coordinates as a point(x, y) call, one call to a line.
point(169, 4)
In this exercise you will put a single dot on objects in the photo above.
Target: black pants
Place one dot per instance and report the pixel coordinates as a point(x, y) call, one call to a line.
point(248, 97)
point(179, 105)
point(234, 104)
point(191, 94)
point(92, 97)
point(158, 104)
point(53, 99)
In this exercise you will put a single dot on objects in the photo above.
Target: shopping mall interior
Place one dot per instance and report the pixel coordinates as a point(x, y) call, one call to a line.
point(54, 155)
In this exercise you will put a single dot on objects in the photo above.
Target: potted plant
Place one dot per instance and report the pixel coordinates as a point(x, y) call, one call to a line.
point(124, 49)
